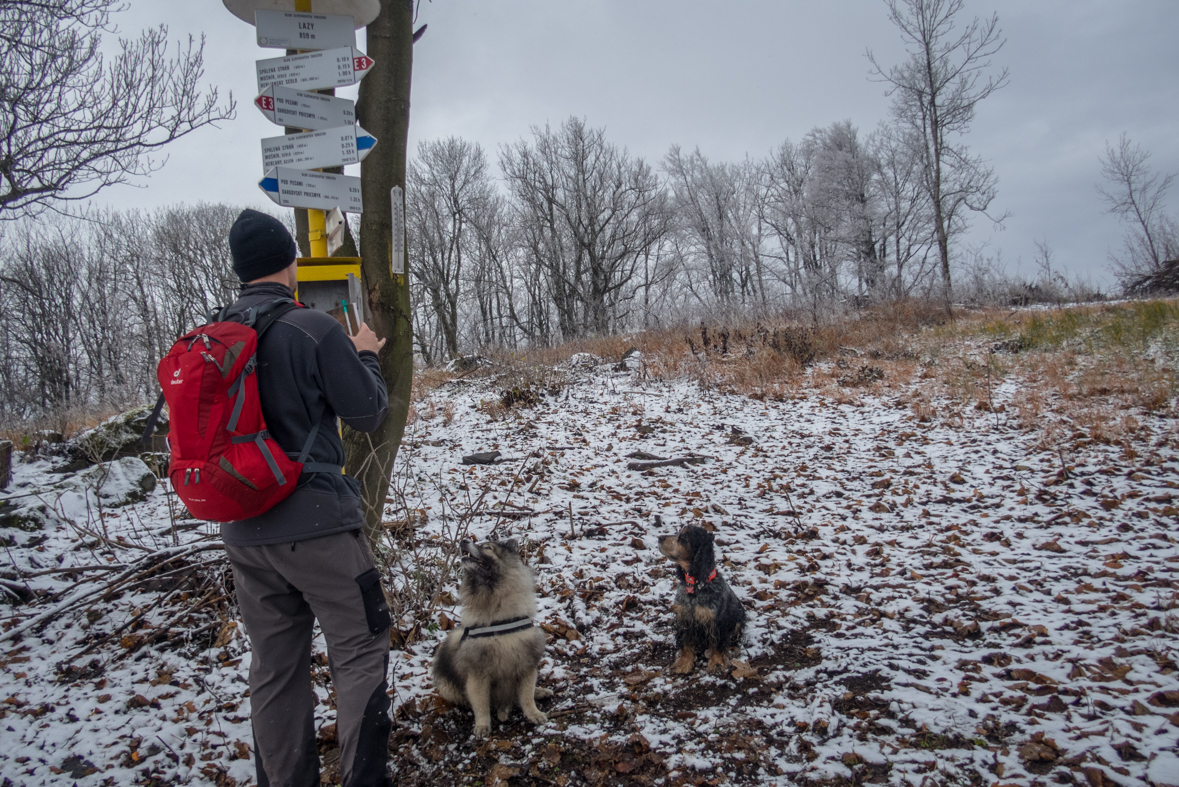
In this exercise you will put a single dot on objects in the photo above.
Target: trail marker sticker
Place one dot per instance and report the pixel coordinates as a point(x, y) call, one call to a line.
point(291, 30)
point(300, 109)
point(314, 70)
point(330, 147)
point(297, 188)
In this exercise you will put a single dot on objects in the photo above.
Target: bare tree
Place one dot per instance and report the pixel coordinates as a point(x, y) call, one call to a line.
point(72, 123)
point(717, 210)
point(936, 93)
point(191, 244)
point(592, 212)
point(906, 216)
point(495, 279)
point(844, 189)
point(804, 230)
point(45, 269)
point(1137, 195)
point(448, 188)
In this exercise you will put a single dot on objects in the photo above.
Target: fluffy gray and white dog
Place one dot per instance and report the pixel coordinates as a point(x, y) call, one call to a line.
point(491, 659)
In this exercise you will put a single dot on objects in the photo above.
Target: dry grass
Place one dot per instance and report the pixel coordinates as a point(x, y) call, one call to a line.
point(67, 424)
point(1085, 369)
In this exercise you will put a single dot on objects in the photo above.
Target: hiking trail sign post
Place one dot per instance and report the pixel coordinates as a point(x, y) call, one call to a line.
point(300, 109)
point(321, 54)
point(329, 68)
point(361, 11)
point(329, 147)
point(292, 30)
point(302, 188)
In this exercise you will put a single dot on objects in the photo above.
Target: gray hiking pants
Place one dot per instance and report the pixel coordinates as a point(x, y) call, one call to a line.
point(282, 589)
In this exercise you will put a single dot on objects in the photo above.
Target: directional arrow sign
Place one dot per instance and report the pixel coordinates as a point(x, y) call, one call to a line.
point(290, 30)
point(297, 109)
point(297, 188)
point(329, 147)
point(314, 70)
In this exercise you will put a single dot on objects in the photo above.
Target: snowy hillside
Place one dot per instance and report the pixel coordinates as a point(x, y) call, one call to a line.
point(938, 585)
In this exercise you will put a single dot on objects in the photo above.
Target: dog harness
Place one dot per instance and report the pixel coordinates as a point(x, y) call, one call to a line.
point(498, 627)
point(690, 581)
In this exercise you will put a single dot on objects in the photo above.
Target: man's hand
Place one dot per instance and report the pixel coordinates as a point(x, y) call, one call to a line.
point(365, 339)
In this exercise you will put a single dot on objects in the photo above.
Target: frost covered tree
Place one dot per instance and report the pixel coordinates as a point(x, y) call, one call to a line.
point(936, 93)
point(590, 213)
point(717, 219)
point(449, 190)
point(845, 184)
point(1137, 195)
point(72, 121)
point(905, 214)
point(83, 321)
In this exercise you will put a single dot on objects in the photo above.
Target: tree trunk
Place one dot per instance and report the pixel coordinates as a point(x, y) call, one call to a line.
point(383, 109)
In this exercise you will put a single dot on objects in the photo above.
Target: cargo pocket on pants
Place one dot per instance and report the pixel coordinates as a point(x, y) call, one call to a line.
point(376, 609)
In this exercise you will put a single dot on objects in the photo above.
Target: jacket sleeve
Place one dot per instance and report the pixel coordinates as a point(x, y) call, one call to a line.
point(352, 382)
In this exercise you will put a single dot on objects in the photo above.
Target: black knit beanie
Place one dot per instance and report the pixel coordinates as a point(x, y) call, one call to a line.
point(260, 245)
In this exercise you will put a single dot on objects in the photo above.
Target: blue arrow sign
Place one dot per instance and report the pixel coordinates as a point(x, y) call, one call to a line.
point(328, 147)
point(297, 188)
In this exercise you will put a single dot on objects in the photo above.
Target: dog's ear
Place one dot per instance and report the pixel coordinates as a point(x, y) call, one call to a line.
point(512, 545)
point(703, 555)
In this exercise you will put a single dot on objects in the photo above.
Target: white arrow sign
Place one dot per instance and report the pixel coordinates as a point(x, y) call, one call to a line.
point(290, 30)
point(329, 147)
point(314, 70)
point(297, 188)
point(298, 109)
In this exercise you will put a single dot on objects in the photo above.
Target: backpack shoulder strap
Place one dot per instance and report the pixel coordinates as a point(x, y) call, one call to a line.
point(151, 421)
point(269, 314)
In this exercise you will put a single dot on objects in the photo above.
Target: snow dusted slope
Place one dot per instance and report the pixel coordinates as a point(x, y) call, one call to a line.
point(924, 600)
point(929, 604)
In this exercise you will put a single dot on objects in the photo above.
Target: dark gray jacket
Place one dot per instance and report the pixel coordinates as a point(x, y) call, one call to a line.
point(308, 366)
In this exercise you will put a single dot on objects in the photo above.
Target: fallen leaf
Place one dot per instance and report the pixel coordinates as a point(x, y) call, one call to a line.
point(742, 670)
point(499, 774)
point(1164, 699)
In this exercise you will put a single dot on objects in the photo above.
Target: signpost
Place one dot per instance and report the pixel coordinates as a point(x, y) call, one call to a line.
point(314, 70)
point(331, 137)
point(290, 30)
point(361, 11)
point(299, 109)
point(331, 147)
point(298, 188)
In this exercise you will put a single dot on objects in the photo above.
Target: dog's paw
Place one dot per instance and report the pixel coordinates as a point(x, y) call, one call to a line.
point(683, 666)
point(537, 718)
point(482, 730)
point(541, 693)
point(718, 662)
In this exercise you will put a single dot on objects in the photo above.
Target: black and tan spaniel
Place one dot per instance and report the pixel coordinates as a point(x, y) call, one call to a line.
point(709, 618)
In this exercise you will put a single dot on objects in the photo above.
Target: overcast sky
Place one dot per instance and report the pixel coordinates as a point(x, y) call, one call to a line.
point(736, 79)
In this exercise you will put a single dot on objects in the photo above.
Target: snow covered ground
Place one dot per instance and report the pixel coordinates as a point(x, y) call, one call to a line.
point(940, 601)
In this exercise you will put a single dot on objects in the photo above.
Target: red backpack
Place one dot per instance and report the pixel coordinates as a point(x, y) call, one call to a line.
point(225, 466)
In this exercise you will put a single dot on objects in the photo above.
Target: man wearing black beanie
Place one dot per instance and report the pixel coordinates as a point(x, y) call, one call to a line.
point(307, 559)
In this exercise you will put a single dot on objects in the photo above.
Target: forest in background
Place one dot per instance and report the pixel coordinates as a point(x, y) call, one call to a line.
point(571, 238)
point(565, 236)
